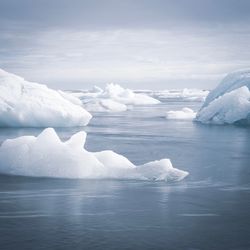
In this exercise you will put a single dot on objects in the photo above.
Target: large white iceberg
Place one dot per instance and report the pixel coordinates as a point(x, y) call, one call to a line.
point(228, 103)
point(47, 156)
point(28, 104)
point(113, 98)
point(184, 114)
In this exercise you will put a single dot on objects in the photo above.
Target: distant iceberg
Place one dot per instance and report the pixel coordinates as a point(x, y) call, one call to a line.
point(104, 105)
point(185, 95)
point(28, 104)
point(184, 114)
point(113, 98)
point(127, 96)
point(47, 156)
point(229, 103)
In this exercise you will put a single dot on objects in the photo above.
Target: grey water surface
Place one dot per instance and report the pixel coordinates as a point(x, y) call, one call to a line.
point(210, 209)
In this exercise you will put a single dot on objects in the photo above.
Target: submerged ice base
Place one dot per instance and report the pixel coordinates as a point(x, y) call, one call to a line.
point(47, 156)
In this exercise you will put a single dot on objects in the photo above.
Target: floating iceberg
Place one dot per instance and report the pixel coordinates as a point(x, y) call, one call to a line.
point(228, 103)
point(113, 98)
point(47, 156)
point(232, 81)
point(105, 105)
point(28, 104)
point(184, 114)
point(127, 96)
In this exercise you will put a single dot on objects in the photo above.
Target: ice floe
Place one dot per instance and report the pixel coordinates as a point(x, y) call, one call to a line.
point(113, 98)
point(28, 104)
point(47, 156)
point(184, 114)
point(104, 105)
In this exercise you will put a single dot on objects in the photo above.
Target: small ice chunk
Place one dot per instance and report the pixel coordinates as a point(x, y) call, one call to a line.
point(184, 114)
point(105, 105)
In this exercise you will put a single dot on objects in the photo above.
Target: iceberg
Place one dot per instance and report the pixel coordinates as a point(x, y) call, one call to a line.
point(232, 81)
point(184, 114)
point(185, 95)
point(127, 96)
point(105, 105)
point(113, 98)
point(47, 156)
point(229, 103)
point(29, 104)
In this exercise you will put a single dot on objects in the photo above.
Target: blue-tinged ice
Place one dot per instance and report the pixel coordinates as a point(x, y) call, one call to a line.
point(229, 103)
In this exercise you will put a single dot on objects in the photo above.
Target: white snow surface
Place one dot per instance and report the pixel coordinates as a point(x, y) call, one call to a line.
point(28, 104)
point(113, 98)
point(184, 114)
point(47, 156)
point(229, 102)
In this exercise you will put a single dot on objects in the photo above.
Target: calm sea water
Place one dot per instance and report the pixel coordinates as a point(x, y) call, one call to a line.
point(210, 209)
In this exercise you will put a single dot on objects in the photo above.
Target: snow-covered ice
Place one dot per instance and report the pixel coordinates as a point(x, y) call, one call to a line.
point(113, 98)
point(28, 104)
point(184, 114)
point(47, 156)
point(228, 103)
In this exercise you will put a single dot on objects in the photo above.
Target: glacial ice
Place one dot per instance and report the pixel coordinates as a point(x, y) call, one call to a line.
point(184, 114)
point(229, 103)
point(28, 104)
point(47, 156)
point(113, 98)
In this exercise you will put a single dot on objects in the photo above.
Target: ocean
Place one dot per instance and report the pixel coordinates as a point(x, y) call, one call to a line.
point(209, 209)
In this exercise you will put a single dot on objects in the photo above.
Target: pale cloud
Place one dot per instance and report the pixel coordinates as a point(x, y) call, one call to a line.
point(161, 44)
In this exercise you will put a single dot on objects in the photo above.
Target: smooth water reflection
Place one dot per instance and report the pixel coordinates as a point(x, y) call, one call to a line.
point(65, 214)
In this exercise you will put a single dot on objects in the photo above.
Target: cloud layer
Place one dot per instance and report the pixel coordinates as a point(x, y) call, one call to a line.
point(151, 44)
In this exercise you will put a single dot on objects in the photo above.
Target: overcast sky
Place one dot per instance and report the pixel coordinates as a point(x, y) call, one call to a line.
point(154, 44)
